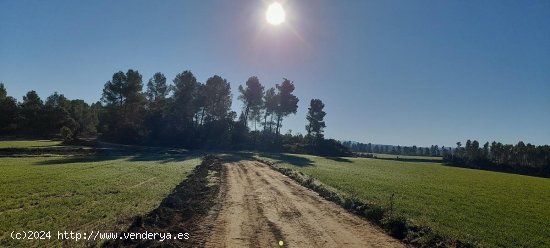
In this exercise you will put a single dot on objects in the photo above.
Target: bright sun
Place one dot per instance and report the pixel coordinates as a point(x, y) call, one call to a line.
point(275, 14)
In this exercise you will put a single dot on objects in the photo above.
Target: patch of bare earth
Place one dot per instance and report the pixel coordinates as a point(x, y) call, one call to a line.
point(261, 206)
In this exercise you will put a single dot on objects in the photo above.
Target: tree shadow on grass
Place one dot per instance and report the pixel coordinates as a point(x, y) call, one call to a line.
point(339, 159)
point(76, 159)
point(165, 156)
point(235, 156)
point(289, 159)
point(281, 158)
point(416, 160)
point(128, 156)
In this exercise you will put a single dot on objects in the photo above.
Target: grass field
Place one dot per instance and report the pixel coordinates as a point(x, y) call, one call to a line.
point(391, 156)
point(491, 208)
point(28, 143)
point(82, 194)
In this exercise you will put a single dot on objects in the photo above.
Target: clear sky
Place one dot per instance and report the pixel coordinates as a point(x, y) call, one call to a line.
point(390, 72)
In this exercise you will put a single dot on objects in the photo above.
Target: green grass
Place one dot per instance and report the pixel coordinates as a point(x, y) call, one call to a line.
point(82, 194)
point(491, 208)
point(28, 143)
point(392, 156)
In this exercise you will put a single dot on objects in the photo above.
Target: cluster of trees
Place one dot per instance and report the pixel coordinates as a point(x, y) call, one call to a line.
point(433, 150)
point(191, 113)
point(521, 158)
point(199, 115)
point(35, 117)
point(186, 113)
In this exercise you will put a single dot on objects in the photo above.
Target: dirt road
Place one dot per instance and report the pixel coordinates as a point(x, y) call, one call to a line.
point(261, 206)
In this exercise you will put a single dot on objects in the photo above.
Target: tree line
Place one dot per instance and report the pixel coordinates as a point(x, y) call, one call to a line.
point(186, 113)
point(433, 150)
point(35, 117)
point(520, 158)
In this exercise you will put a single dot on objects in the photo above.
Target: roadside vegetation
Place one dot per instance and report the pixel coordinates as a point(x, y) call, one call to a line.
point(83, 193)
point(486, 208)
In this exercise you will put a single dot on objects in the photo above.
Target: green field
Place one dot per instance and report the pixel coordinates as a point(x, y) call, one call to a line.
point(491, 208)
point(28, 143)
point(392, 156)
point(82, 193)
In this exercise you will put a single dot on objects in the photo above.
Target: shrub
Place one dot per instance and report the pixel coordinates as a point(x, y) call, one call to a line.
point(397, 226)
point(333, 148)
point(66, 134)
point(351, 202)
point(309, 182)
point(375, 214)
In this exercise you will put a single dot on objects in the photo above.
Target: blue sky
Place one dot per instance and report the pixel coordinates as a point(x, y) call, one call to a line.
point(390, 72)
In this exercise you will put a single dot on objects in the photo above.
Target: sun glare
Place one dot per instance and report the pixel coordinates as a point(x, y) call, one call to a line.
point(275, 14)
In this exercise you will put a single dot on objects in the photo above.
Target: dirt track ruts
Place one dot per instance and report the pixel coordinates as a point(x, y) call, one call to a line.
point(261, 206)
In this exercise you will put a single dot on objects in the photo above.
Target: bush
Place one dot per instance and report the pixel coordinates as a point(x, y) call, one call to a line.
point(375, 214)
point(396, 225)
point(66, 134)
point(351, 202)
point(333, 148)
point(309, 182)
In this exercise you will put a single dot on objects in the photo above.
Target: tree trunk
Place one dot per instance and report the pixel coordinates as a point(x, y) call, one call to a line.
point(278, 124)
point(265, 121)
point(271, 124)
point(246, 115)
point(202, 116)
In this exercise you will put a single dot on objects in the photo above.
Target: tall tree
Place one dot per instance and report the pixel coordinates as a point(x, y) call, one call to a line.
point(486, 150)
point(124, 92)
point(8, 112)
point(315, 117)
point(157, 91)
point(135, 99)
point(184, 105)
point(252, 98)
point(287, 103)
point(125, 103)
point(56, 112)
point(255, 115)
point(31, 109)
point(114, 91)
point(216, 131)
point(218, 98)
point(3, 91)
point(270, 104)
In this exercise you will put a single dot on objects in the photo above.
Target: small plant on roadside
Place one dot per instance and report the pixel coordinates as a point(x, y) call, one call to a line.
point(375, 214)
point(397, 225)
point(351, 202)
point(309, 182)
